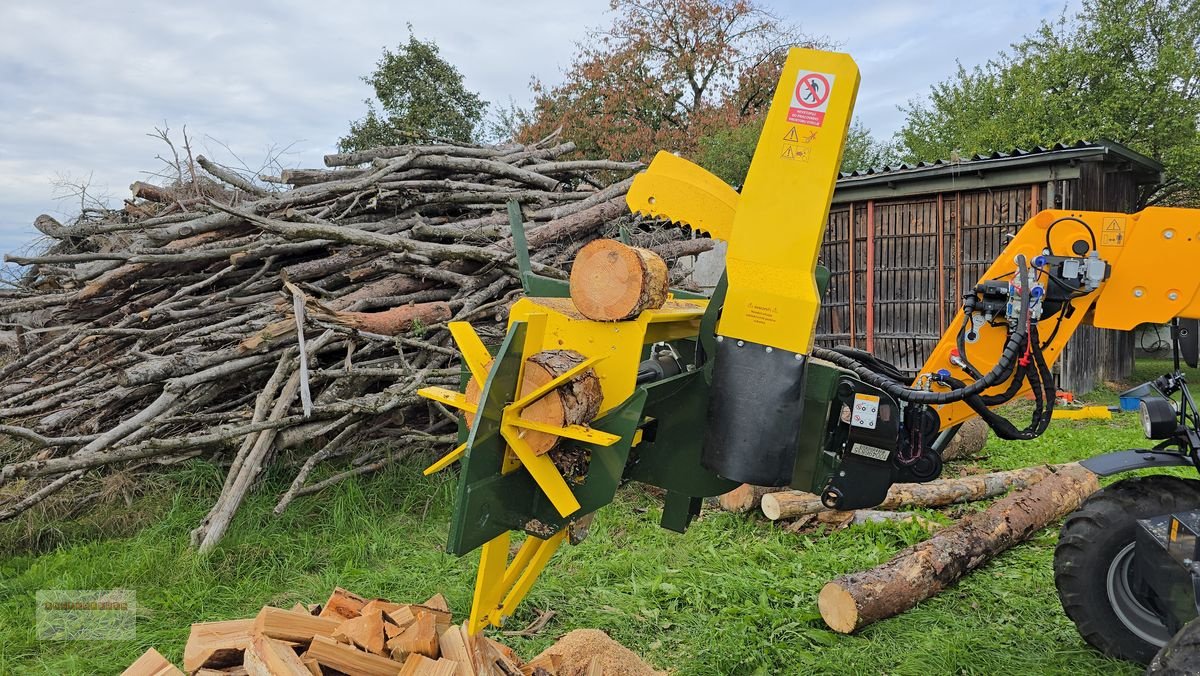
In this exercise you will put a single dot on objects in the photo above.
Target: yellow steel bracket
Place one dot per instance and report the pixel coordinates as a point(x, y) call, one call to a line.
point(501, 585)
point(512, 425)
point(783, 207)
point(682, 192)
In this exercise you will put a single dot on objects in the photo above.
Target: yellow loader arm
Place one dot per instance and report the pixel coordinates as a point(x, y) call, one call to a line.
point(1145, 268)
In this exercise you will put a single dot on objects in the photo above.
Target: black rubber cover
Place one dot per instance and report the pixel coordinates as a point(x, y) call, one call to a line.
point(754, 408)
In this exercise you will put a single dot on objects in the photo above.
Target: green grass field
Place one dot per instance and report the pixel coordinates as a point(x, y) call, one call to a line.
point(735, 595)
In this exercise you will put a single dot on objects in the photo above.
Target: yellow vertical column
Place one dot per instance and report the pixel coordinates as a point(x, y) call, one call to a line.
point(784, 205)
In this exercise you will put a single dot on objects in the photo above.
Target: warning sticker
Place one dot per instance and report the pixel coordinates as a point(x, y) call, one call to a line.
point(866, 411)
point(794, 153)
point(810, 98)
point(1113, 231)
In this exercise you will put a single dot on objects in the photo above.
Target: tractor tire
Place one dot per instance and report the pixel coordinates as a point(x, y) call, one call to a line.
point(1093, 561)
point(1181, 655)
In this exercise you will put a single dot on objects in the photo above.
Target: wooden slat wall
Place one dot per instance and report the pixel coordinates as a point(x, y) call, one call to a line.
point(908, 286)
point(833, 321)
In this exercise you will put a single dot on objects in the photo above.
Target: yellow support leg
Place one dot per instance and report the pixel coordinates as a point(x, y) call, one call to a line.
point(489, 582)
point(530, 573)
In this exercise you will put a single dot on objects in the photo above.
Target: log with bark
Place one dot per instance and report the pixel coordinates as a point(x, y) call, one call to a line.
point(938, 493)
point(854, 601)
point(226, 318)
point(611, 281)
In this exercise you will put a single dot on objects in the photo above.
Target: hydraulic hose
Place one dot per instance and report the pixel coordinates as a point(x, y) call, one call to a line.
point(1042, 383)
point(1013, 346)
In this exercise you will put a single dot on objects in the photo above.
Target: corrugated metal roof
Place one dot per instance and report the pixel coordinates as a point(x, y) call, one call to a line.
point(996, 160)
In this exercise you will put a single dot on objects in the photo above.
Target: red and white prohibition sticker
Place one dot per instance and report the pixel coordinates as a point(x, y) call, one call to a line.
point(810, 98)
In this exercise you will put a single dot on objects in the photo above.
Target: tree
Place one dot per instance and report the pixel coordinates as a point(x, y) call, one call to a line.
point(665, 74)
point(1126, 70)
point(727, 152)
point(419, 96)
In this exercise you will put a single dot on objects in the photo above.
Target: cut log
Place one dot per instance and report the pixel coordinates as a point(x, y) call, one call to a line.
point(364, 632)
point(854, 601)
point(217, 645)
point(152, 663)
point(790, 504)
point(268, 657)
point(745, 498)
point(343, 605)
point(288, 626)
point(611, 281)
point(969, 440)
point(576, 402)
point(329, 653)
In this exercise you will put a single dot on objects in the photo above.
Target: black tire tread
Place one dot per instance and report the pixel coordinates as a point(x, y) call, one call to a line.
point(1110, 510)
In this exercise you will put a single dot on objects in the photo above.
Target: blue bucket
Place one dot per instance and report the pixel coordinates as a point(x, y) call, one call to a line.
point(1130, 403)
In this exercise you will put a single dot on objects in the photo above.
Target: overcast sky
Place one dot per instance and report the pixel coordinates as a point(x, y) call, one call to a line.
point(81, 84)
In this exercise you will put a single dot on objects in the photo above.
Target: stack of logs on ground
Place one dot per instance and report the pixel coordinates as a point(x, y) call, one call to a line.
point(283, 320)
point(1039, 496)
point(351, 635)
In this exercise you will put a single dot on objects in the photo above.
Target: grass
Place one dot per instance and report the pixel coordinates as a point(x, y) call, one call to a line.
point(734, 595)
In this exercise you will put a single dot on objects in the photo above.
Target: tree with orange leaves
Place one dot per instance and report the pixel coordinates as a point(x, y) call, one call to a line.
point(665, 74)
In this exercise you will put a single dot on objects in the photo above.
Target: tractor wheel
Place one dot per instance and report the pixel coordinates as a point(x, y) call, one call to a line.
point(1093, 565)
point(1181, 655)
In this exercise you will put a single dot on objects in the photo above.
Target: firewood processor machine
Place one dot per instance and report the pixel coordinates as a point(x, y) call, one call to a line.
point(708, 392)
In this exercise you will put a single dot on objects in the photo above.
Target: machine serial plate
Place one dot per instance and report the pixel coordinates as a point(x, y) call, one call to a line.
point(870, 452)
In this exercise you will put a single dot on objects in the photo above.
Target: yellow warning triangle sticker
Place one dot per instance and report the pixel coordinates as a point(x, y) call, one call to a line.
point(791, 136)
point(1113, 226)
point(787, 152)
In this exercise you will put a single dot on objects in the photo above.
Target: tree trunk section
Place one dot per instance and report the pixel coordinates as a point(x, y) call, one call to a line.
point(611, 281)
point(854, 601)
point(395, 321)
point(969, 440)
point(575, 402)
point(791, 504)
point(745, 498)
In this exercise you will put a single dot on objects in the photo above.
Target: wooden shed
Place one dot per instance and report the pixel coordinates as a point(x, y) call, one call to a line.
point(905, 242)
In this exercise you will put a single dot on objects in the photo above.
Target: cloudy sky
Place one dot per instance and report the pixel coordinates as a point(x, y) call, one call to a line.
point(82, 84)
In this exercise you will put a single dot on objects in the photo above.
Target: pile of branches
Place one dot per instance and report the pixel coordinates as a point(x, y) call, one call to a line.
point(281, 321)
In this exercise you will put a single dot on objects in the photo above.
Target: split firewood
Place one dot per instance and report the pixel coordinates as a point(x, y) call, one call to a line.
point(329, 653)
point(216, 645)
point(343, 605)
point(268, 657)
point(296, 642)
point(152, 663)
point(284, 624)
point(420, 637)
point(611, 281)
point(938, 493)
point(854, 601)
point(364, 632)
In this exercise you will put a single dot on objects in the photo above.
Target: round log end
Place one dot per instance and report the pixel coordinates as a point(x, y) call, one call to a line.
point(838, 608)
point(611, 281)
point(770, 507)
